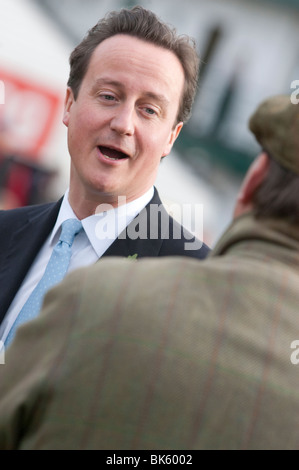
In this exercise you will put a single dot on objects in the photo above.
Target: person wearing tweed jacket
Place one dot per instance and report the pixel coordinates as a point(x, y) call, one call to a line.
point(174, 353)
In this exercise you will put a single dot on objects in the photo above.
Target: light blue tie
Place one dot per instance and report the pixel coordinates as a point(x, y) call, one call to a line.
point(55, 271)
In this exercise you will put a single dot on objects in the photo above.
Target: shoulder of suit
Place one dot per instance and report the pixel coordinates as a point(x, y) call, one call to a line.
point(26, 211)
point(19, 211)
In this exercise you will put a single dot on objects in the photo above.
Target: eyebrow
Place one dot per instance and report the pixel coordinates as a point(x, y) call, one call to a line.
point(148, 94)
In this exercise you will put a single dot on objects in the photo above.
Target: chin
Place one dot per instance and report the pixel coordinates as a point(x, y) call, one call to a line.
point(104, 190)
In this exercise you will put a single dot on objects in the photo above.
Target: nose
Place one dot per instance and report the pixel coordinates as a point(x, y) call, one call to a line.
point(123, 121)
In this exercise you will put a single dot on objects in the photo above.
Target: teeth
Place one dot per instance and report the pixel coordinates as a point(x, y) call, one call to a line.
point(111, 158)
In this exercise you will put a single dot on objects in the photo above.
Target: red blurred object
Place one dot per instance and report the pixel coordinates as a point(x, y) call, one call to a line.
point(27, 115)
point(22, 182)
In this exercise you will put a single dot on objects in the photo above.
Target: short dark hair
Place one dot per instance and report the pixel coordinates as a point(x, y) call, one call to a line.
point(145, 25)
point(277, 196)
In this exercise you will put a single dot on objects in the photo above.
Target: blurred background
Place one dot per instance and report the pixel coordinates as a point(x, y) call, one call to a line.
point(249, 50)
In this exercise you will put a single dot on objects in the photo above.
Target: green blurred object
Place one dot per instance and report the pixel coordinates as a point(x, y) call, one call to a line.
point(283, 3)
point(215, 152)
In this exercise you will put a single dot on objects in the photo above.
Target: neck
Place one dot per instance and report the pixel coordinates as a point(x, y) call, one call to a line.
point(93, 204)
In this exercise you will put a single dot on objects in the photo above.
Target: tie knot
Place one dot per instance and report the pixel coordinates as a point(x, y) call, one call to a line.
point(69, 230)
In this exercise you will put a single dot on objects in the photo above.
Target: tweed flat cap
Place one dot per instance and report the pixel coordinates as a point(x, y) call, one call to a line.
point(275, 124)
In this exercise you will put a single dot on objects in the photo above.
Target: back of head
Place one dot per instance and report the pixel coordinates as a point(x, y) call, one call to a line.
point(275, 124)
point(145, 25)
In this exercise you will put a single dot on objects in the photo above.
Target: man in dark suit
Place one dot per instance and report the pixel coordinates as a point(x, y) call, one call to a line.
point(131, 87)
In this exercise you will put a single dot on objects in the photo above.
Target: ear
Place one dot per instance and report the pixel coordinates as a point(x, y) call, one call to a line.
point(69, 99)
point(253, 178)
point(172, 138)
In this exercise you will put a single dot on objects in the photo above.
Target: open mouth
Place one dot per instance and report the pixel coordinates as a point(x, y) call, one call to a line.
point(112, 154)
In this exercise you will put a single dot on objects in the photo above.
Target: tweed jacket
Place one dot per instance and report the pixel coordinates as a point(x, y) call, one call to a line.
point(24, 231)
point(171, 354)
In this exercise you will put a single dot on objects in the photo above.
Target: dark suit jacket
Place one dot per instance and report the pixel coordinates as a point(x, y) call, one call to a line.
point(24, 230)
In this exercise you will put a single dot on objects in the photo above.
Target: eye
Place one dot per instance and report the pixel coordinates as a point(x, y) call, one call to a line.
point(108, 97)
point(150, 111)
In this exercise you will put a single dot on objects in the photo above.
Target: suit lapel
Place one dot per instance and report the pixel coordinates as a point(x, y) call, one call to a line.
point(29, 229)
point(137, 238)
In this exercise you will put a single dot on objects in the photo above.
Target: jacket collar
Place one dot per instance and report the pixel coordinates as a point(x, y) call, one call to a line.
point(247, 229)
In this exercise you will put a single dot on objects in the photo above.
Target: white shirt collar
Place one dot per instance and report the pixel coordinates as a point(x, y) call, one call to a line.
point(103, 227)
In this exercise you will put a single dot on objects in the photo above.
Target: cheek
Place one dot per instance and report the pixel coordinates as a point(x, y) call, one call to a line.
point(78, 132)
point(156, 141)
point(162, 144)
point(83, 119)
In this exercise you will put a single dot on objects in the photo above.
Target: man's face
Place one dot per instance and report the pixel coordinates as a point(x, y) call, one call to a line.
point(123, 120)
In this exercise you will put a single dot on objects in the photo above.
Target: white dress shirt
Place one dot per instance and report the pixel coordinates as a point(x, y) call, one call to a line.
point(99, 232)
